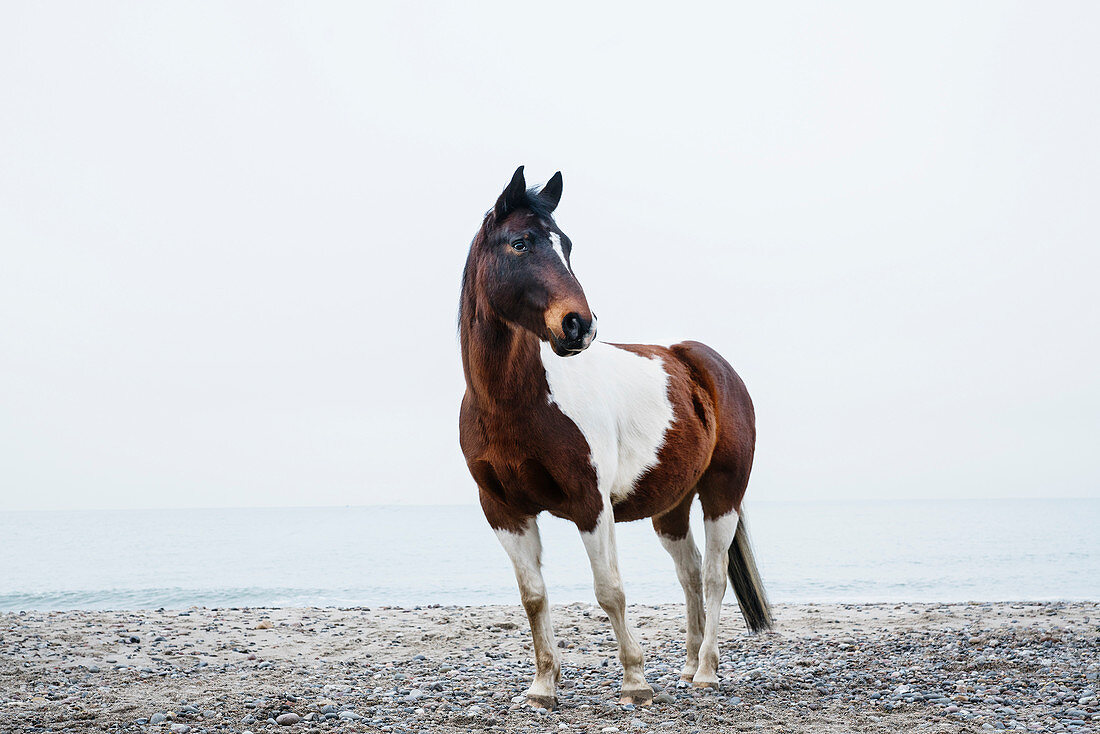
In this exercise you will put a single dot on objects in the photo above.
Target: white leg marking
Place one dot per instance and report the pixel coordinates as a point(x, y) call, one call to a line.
point(525, 550)
point(555, 242)
point(600, 544)
point(619, 401)
point(719, 538)
point(690, 572)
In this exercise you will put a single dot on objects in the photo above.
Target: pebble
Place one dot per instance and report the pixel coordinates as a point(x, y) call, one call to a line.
point(1039, 675)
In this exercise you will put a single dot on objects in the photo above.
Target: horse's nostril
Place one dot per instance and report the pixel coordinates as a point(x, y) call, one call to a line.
point(571, 325)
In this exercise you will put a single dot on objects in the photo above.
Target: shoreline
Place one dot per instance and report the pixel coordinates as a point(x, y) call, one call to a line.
point(828, 667)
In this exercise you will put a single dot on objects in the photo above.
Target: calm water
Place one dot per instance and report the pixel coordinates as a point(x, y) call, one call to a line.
point(849, 551)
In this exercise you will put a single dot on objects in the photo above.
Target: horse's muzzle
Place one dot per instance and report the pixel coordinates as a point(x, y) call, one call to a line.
point(577, 334)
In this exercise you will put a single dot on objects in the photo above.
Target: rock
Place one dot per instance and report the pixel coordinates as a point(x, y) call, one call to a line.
point(157, 718)
point(265, 624)
point(287, 719)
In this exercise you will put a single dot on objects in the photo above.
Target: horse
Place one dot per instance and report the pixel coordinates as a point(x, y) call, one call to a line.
point(596, 433)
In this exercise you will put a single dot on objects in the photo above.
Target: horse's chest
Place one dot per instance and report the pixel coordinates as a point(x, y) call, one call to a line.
point(620, 402)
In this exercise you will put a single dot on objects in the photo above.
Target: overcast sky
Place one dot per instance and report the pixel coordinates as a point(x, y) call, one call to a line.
point(231, 236)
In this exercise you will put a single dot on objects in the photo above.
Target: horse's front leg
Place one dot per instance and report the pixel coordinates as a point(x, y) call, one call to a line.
point(600, 544)
point(525, 550)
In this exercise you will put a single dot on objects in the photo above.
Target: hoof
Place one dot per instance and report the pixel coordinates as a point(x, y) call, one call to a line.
point(689, 677)
point(542, 702)
point(705, 684)
point(638, 697)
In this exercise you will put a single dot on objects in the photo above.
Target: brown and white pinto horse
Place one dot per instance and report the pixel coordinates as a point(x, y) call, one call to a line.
point(597, 433)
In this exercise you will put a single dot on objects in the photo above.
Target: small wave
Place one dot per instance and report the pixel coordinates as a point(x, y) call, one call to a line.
point(180, 598)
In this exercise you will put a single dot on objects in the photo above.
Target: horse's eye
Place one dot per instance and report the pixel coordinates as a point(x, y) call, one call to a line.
point(520, 245)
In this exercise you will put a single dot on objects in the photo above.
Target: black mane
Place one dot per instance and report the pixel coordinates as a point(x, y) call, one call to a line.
point(532, 201)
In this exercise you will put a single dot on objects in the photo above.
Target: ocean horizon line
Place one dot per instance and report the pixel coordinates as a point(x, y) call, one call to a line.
point(749, 502)
point(823, 551)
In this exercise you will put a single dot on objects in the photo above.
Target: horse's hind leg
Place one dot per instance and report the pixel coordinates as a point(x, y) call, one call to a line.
point(674, 531)
point(719, 537)
point(720, 491)
point(525, 550)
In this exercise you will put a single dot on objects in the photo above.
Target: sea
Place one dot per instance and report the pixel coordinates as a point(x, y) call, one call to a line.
point(852, 551)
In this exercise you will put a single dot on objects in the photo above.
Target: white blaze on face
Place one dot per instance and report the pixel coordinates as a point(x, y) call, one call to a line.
point(555, 242)
point(619, 401)
point(591, 335)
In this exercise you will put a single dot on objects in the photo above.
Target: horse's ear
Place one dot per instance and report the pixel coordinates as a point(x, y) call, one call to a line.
point(514, 194)
point(551, 192)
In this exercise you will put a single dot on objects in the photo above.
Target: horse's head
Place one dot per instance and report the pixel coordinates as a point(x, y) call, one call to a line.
point(520, 264)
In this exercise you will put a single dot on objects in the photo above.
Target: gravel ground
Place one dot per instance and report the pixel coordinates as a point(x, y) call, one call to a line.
point(827, 668)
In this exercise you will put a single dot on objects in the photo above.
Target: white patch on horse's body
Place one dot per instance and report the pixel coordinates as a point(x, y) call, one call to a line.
point(555, 242)
point(619, 401)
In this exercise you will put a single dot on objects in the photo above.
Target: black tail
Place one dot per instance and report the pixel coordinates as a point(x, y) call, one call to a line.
point(746, 581)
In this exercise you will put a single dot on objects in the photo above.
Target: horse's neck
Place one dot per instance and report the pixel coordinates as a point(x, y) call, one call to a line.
point(503, 368)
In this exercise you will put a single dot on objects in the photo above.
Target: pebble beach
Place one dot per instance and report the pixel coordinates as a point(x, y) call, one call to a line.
point(971, 667)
